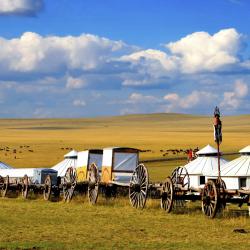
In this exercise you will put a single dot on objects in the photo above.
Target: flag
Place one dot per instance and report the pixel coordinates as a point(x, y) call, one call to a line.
point(217, 126)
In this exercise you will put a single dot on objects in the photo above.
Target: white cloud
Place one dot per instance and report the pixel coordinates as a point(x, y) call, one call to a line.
point(79, 103)
point(135, 98)
point(32, 53)
point(201, 51)
point(172, 97)
point(232, 100)
point(158, 61)
point(53, 56)
point(75, 83)
point(20, 7)
point(177, 103)
point(196, 53)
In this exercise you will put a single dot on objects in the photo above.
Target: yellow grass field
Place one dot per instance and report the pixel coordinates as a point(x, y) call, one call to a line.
point(46, 138)
point(114, 224)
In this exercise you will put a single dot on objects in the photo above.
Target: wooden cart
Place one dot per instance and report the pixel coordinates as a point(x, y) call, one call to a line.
point(213, 195)
point(85, 176)
point(26, 180)
point(121, 170)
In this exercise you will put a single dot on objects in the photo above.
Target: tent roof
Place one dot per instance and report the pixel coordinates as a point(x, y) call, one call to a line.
point(71, 154)
point(62, 166)
point(207, 150)
point(245, 150)
point(4, 166)
point(239, 167)
point(205, 165)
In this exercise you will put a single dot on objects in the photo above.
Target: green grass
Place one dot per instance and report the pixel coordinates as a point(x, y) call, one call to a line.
point(114, 225)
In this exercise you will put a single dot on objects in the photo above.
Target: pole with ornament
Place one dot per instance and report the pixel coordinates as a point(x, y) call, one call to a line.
point(218, 136)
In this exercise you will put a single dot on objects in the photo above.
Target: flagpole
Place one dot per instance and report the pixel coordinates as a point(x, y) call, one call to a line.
point(218, 148)
point(218, 136)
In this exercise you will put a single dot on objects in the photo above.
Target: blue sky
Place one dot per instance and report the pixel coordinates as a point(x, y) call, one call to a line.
point(77, 58)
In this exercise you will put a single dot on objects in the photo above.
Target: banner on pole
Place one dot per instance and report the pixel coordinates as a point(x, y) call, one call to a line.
point(217, 126)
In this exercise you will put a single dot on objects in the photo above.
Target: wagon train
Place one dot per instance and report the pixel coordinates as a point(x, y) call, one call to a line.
point(24, 180)
point(103, 171)
point(109, 171)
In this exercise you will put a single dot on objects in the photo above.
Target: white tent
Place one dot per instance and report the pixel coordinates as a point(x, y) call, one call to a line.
point(4, 166)
point(205, 164)
point(236, 173)
point(70, 160)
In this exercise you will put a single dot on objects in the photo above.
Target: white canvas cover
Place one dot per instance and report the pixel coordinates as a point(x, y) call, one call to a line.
point(71, 154)
point(34, 174)
point(236, 173)
point(4, 166)
point(62, 166)
point(207, 150)
point(107, 157)
point(82, 159)
point(206, 163)
point(70, 160)
point(245, 150)
point(17, 172)
point(240, 166)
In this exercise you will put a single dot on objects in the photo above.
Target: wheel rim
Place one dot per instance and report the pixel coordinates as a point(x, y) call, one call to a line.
point(180, 178)
point(167, 195)
point(69, 184)
point(221, 186)
point(93, 183)
point(210, 199)
point(47, 188)
point(138, 188)
point(5, 186)
point(25, 187)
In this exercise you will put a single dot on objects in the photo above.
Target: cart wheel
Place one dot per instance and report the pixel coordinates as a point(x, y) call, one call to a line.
point(56, 190)
point(209, 199)
point(25, 186)
point(167, 198)
point(5, 186)
point(93, 183)
point(180, 178)
point(138, 187)
point(221, 186)
point(47, 188)
point(69, 184)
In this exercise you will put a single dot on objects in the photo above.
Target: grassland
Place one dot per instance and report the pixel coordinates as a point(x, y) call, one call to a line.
point(114, 224)
point(154, 132)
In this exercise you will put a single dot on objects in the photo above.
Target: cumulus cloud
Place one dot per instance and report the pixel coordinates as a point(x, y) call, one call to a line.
point(196, 53)
point(189, 101)
point(20, 7)
point(201, 51)
point(32, 53)
point(233, 100)
point(79, 103)
point(60, 66)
